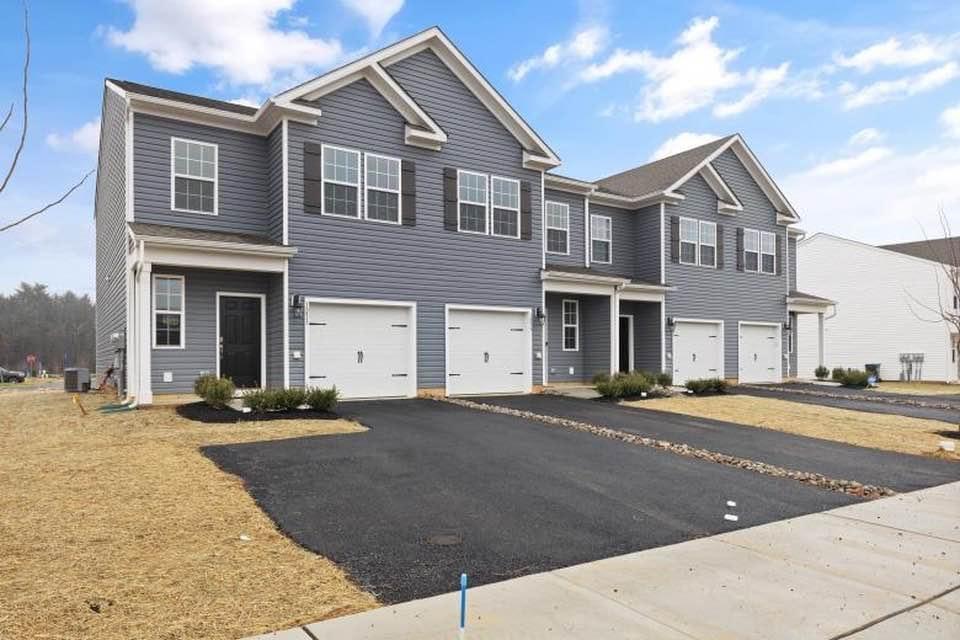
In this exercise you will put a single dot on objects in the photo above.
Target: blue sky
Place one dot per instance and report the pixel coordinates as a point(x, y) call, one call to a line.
point(854, 107)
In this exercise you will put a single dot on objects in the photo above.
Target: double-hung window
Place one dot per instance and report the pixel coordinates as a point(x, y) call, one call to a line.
point(571, 325)
point(382, 195)
point(471, 202)
point(601, 239)
point(168, 312)
point(193, 176)
point(341, 182)
point(505, 201)
point(751, 250)
point(708, 244)
point(558, 227)
point(768, 252)
point(689, 239)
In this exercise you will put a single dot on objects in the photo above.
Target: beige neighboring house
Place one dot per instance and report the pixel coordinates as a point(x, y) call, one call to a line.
point(885, 301)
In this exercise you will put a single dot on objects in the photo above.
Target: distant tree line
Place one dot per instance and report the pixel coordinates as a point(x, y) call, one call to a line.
point(56, 328)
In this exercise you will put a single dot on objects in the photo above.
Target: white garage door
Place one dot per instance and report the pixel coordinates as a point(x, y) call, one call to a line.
point(697, 350)
point(760, 359)
point(488, 351)
point(365, 350)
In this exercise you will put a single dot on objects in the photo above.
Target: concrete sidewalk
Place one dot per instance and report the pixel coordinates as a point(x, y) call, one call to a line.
point(883, 569)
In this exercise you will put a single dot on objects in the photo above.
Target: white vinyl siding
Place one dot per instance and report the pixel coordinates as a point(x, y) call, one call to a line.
point(571, 325)
point(601, 239)
point(193, 176)
point(382, 195)
point(558, 228)
point(505, 204)
point(471, 202)
point(168, 312)
point(341, 182)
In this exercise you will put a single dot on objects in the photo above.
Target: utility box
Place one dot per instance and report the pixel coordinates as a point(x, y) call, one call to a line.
point(76, 380)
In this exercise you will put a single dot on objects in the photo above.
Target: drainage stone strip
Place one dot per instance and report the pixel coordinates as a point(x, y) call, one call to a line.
point(849, 487)
point(868, 397)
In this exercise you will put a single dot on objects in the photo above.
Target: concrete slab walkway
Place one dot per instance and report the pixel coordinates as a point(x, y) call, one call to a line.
point(883, 569)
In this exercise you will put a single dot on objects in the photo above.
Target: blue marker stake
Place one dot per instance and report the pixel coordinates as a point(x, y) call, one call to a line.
point(463, 603)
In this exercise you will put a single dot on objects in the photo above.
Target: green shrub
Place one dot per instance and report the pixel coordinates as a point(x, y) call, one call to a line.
point(322, 399)
point(664, 379)
point(216, 392)
point(838, 374)
point(706, 385)
point(855, 378)
point(600, 377)
point(256, 399)
point(821, 372)
point(623, 385)
point(274, 399)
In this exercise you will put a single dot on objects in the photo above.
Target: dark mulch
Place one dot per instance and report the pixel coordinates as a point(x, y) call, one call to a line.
point(202, 412)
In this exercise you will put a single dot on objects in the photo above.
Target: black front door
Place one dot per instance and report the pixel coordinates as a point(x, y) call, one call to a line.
point(625, 344)
point(240, 340)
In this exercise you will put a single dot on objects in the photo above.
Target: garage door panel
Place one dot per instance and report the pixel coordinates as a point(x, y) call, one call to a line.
point(759, 354)
point(697, 350)
point(487, 352)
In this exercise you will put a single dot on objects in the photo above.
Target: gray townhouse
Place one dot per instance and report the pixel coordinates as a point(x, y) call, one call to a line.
point(395, 228)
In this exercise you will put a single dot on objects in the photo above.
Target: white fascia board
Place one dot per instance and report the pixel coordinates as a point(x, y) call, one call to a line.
point(727, 201)
point(213, 245)
point(261, 123)
point(568, 185)
point(566, 276)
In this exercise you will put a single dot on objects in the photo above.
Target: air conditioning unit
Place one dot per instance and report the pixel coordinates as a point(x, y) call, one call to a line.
point(76, 379)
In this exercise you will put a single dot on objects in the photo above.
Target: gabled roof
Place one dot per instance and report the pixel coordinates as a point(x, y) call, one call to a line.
point(943, 250)
point(166, 94)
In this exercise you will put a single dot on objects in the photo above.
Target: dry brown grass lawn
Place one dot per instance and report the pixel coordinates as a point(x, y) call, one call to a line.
point(920, 388)
point(880, 431)
point(122, 513)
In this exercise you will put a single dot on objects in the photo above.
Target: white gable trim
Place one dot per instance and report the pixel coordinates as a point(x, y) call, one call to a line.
point(727, 201)
point(537, 154)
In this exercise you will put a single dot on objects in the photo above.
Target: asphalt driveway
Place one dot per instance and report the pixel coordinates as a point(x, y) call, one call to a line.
point(898, 471)
point(434, 489)
point(854, 401)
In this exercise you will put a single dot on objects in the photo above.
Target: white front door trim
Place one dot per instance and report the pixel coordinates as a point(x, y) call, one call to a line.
point(528, 355)
point(263, 331)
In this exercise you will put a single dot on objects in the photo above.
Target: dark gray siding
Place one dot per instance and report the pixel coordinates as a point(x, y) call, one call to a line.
point(200, 324)
point(275, 184)
point(647, 244)
point(111, 230)
point(575, 258)
point(646, 334)
point(593, 355)
point(624, 239)
point(793, 264)
point(726, 294)
point(595, 312)
point(275, 304)
point(793, 356)
point(242, 174)
point(425, 263)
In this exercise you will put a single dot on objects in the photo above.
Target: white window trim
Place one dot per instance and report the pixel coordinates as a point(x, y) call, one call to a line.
point(324, 181)
point(174, 175)
point(367, 188)
point(609, 241)
point(767, 253)
point(747, 232)
point(701, 243)
point(486, 204)
point(565, 324)
point(492, 206)
point(182, 313)
point(696, 243)
point(566, 229)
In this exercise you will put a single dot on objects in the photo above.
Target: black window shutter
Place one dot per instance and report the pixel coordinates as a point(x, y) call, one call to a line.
point(312, 177)
point(719, 246)
point(675, 238)
point(779, 257)
point(739, 248)
point(408, 192)
point(450, 199)
point(526, 212)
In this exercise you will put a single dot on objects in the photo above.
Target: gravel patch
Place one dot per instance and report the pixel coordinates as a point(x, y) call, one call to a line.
point(930, 402)
point(849, 487)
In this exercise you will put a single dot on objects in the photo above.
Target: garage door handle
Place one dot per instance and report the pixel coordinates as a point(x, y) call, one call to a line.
point(754, 357)
point(359, 357)
point(486, 356)
point(694, 356)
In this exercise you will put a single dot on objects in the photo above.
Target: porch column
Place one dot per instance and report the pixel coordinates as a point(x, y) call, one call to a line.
point(144, 334)
point(820, 339)
point(614, 331)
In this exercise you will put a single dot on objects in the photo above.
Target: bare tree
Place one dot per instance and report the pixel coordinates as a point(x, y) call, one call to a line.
point(945, 251)
point(8, 174)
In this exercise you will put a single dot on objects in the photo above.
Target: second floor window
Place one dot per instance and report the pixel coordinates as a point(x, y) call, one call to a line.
point(759, 251)
point(505, 201)
point(472, 202)
point(194, 176)
point(698, 242)
point(341, 182)
point(601, 239)
point(383, 188)
point(558, 228)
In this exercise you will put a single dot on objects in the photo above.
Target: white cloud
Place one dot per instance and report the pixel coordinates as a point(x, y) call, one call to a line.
point(865, 137)
point(950, 119)
point(583, 45)
point(893, 53)
point(693, 77)
point(848, 164)
point(681, 142)
point(887, 90)
point(886, 201)
point(246, 101)
point(377, 13)
point(238, 38)
point(85, 138)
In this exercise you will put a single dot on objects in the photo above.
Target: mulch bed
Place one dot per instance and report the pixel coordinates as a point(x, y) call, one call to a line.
point(202, 412)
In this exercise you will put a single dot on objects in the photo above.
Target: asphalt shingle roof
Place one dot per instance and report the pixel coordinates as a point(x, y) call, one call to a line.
point(945, 250)
point(136, 87)
point(187, 233)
